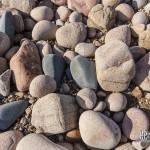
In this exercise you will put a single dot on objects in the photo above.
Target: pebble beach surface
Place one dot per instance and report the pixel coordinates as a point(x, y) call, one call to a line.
point(74, 74)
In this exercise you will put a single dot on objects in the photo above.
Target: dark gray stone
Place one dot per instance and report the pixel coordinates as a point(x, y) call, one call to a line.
point(83, 72)
point(54, 66)
point(10, 112)
point(6, 24)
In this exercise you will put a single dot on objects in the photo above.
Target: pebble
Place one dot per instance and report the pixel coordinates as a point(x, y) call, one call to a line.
point(127, 146)
point(10, 112)
point(91, 32)
point(86, 98)
point(139, 145)
point(138, 4)
point(29, 24)
point(74, 33)
point(59, 2)
point(54, 66)
point(58, 50)
point(101, 17)
point(46, 3)
point(67, 145)
point(73, 136)
point(11, 52)
point(79, 146)
point(59, 23)
point(6, 24)
point(134, 122)
point(5, 83)
point(65, 88)
point(75, 17)
point(118, 116)
point(54, 113)
point(147, 8)
point(83, 72)
point(82, 6)
point(3, 65)
point(99, 131)
point(44, 30)
point(4, 43)
point(10, 139)
point(37, 142)
point(139, 18)
point(42, 13)
point(27, 55)
point(142, 73)
point(115, 66)
point(100, 107)
point(63, 13)
point(121, 33)
point(116, 102)
point(111, 3)
point(85, 49)
point(124, 12)
point(42, 85)
point(137, 30)
point(69, 55)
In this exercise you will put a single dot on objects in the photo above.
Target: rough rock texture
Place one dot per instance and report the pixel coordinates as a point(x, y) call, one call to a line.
point(10, 139)
point(25, 65)
point(74, 33)
point(54, 113)
point(98, 131)
point(101, 17)
point(114, 66)
point(37, 142)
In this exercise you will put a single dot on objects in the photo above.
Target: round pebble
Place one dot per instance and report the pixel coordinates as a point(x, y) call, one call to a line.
point(75, 17)
point(118, 116)
point(69, 55)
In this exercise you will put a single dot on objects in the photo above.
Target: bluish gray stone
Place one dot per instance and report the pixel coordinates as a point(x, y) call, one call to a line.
point(6, 24)
point(54, 66)
point(83, 72)
point(10, 112)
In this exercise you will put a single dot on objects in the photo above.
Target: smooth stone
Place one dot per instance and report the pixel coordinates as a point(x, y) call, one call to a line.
point(3, 65)
point(10, 139)
point(116, 102)
point(100, 107)
point(29, 24)
point(137, 52)
point(42, 13)
point(59, 23)
point(4, 43)
point(136, 30)
point(140, 145)
point(44, 30)
point(139, 18)
point(24, 6)
point(101, 17)
point(121, 33)
point(6, 24)
point(25, 65)
point(37, 142)
point(124, 12)
point(82, 6)
point(74, 33)
point(111, 3)
point(59, 2)
point(134, 122)
point(42, 85)
point(46, 3)
point(138, 4)
point(58, 50)
point(127, 146)
point(83, 72)
point(10, 112)
point(66, 145)
point(5, 83)
point(118, 116)
point(69, 55)
point(55, 113)
point(85, 49)
point(91, 33)
point(75, 17)
point(142, 73)
point(54, 66)
point(79, 146)
point(99, 131)
point(63, 13)
point(115, 66)
point(86, 98)
point(73, 135)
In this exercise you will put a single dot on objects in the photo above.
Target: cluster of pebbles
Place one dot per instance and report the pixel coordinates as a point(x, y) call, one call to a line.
point(74, 74)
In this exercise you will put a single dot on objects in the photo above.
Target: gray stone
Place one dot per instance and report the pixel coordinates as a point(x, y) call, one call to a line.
point(75, 17)
point(83, 72)
point(10, 112)
point(138, 4)
point(127, 146)
point(100, 106)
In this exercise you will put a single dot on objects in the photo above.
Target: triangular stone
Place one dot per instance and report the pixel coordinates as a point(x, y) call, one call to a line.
point(10, 112)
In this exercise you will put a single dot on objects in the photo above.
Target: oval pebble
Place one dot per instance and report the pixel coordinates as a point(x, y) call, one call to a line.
point(75, 17)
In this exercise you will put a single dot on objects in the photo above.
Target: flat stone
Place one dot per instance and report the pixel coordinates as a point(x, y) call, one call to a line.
point(5, 83)
point(83, 72)
point(25, 65)
point(55, 113)
point(10, 139)
point(10, 112)
point(115, 66)
point(6, 24)
point(98, 131)
point(54, 66)
point(38, 142)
